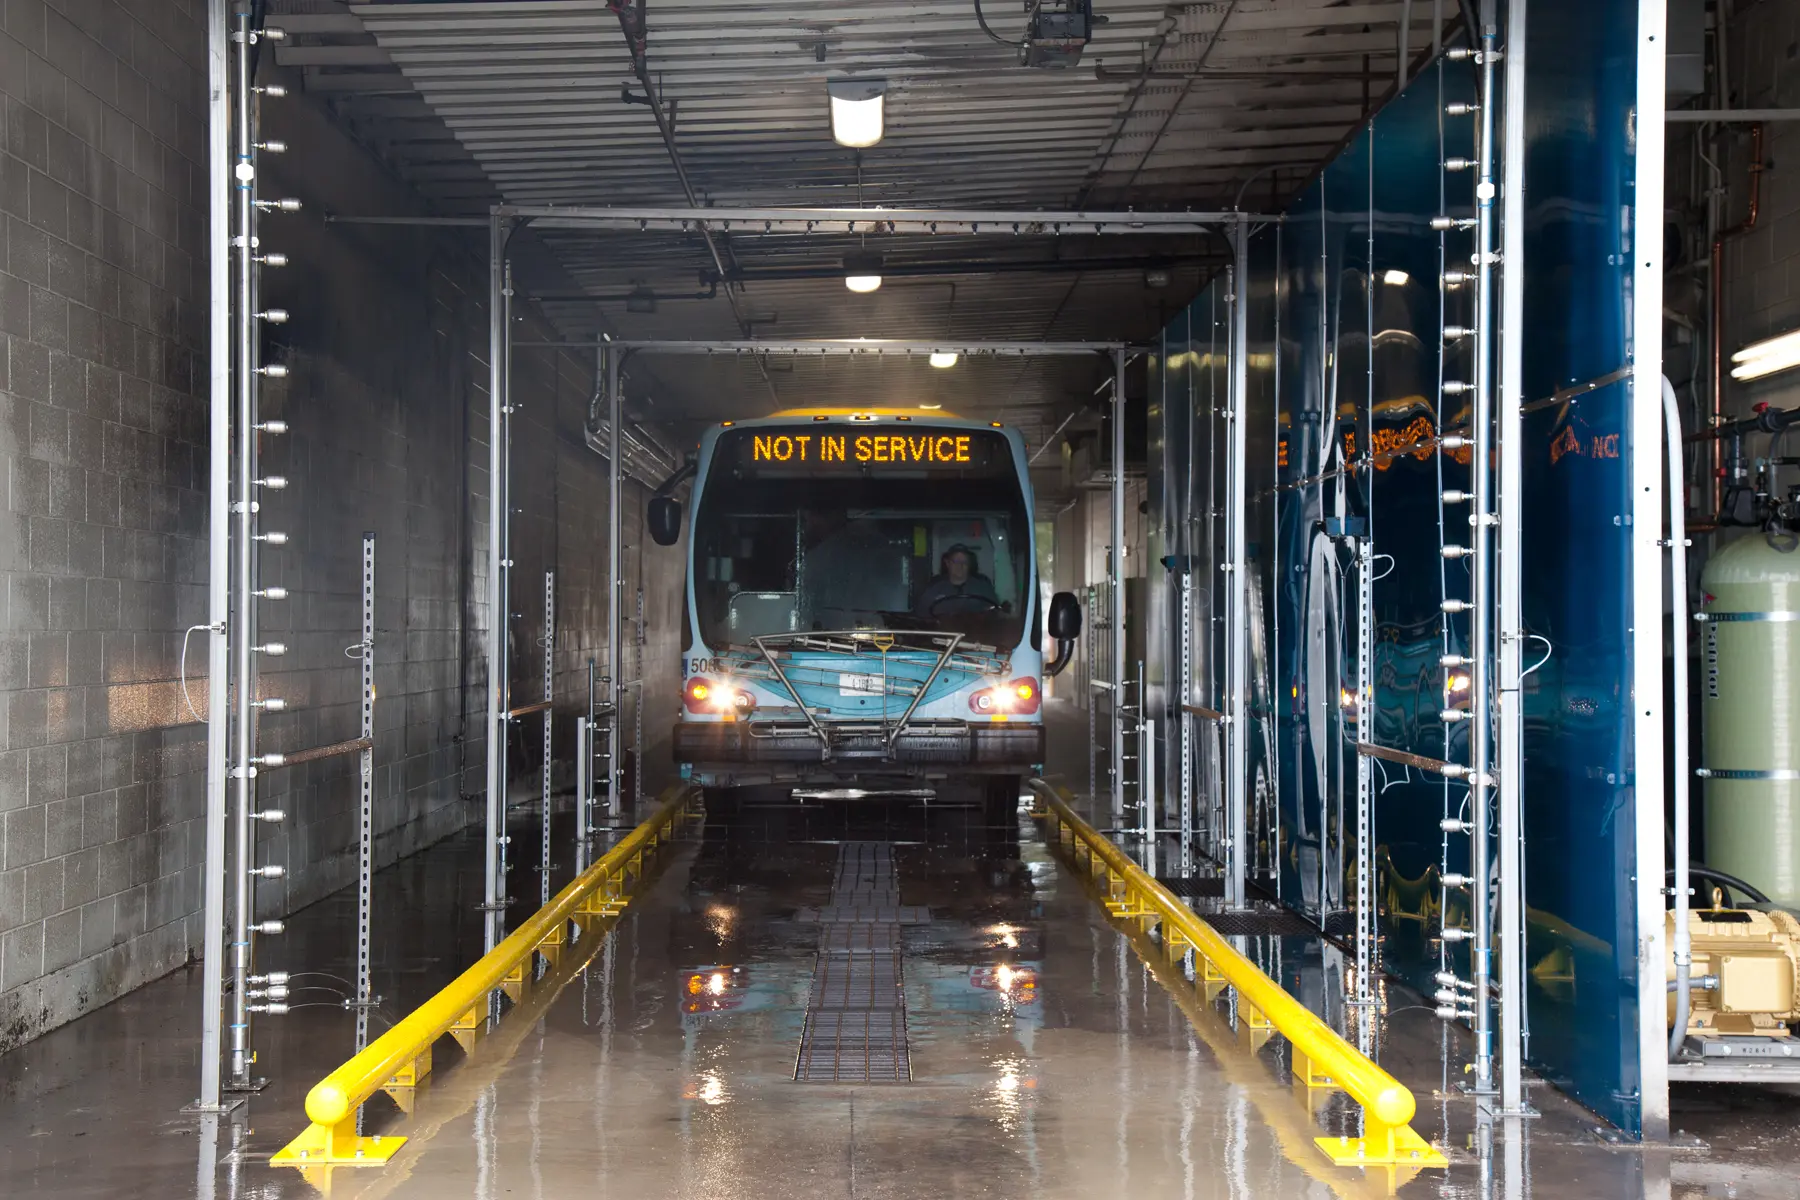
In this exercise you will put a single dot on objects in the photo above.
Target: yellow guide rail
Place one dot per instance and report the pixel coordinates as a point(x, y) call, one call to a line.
point(1322, 1059)
point(399, 1058)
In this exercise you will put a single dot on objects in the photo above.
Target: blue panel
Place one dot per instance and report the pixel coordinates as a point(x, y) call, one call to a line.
point(1346, 358)
point(1579, 805)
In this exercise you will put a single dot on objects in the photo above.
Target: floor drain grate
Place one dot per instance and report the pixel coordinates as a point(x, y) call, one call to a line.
point(854, 1046)
point(855, 1028)
point(1194, 889)
point(857, 981)
point(1253, 924)
point(866, 914)
point(847, 938)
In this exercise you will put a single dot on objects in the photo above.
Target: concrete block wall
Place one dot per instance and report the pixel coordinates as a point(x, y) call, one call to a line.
point(103, 458)
point(102, 541)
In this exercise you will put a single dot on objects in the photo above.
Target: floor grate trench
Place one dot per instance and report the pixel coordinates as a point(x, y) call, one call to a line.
point(855, 1029)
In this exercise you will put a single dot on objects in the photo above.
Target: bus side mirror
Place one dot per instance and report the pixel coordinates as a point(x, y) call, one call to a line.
point(664, 518)
point(1065, 617)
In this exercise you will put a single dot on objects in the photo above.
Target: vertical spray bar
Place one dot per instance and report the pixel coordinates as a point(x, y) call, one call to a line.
point(1511, 748)
point(1481, 601)
point(499, 229)
point(549, 716)
point(218, 579)
point(244, 729)
point(1237, 653)
point(1116, 586)
point(615, 582)
point(503, 838)
point(365, 824)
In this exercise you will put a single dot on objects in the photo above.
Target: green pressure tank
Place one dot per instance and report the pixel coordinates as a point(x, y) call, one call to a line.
point(1750, 713)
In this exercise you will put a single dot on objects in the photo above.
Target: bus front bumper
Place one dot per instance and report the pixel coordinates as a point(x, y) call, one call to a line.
point(925, 743)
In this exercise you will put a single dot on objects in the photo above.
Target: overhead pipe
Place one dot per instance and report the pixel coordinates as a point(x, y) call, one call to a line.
point(1716, 336)
point(988, 267)
point(633, 32)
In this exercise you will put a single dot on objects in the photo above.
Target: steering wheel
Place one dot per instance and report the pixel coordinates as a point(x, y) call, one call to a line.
point(986, 605)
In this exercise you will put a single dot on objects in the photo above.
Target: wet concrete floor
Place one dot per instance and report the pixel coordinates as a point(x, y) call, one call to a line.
point(1047, 1057)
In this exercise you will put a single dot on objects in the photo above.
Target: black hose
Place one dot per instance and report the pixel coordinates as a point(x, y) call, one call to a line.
point(987, 30)
point(1728, 881)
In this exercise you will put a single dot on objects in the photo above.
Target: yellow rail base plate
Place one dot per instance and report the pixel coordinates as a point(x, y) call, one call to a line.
point(337, 1146)
point(1398, 1146)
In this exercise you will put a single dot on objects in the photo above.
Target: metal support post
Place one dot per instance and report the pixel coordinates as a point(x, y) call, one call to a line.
point(1481, 600)
point(365, 824)
point(615, 583)
point(1648, 643)
point(218, 581)
point(1237, 653)
point(549, 718)
point(1510, 501)
point(244, 567)
point(1116, 585)
point(494, 884)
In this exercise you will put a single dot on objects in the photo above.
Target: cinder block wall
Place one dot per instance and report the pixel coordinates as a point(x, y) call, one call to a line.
point(103, 456)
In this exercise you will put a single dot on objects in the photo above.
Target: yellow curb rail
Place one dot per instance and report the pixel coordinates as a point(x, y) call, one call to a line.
point(1322, 1059)
point(399, 1058)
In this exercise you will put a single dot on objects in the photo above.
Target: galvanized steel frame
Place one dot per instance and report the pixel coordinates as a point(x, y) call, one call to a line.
point(1510, 696)
point(1235, 584)
point(218, 596)
point(504, 219)
point(1647, 569)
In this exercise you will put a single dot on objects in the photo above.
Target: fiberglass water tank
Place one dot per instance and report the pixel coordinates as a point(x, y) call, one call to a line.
point(1749, 672)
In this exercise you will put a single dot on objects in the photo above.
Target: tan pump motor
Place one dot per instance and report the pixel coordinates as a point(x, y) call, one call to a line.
point(1746, 977)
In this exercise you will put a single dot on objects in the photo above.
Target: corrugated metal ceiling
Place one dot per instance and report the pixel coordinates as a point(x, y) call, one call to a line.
point(530, 102)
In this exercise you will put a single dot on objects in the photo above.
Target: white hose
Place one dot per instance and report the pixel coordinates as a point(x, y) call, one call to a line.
point(1678, 592)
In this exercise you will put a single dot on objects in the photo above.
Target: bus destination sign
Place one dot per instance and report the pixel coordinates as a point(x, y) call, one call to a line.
point(897, 449)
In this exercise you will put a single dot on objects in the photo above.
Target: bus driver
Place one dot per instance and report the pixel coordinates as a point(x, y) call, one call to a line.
point(958, 588)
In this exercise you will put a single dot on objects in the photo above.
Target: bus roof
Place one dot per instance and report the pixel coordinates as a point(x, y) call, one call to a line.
point(859, 415)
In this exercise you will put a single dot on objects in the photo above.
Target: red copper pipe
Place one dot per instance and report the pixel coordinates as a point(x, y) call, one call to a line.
point(1717, 332)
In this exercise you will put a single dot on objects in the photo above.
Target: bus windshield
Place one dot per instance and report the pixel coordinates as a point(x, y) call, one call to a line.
point(930, 535)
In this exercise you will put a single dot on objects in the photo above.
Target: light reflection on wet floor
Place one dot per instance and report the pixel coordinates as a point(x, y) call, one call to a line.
point(1048, 1061)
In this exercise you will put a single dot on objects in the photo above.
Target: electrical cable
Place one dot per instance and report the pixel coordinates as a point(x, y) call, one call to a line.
point(1020, 45)
point(189, 700)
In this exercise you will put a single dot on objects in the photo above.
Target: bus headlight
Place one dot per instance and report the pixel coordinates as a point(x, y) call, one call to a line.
point(1013, 696)
point(704, 695)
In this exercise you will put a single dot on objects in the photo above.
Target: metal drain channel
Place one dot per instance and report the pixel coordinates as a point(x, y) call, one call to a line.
point(856, 1014)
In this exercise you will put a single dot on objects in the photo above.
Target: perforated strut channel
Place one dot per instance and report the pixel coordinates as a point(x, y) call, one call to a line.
point(1321, 1058)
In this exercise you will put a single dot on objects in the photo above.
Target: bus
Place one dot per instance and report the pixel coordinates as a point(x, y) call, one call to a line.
point(862, 612)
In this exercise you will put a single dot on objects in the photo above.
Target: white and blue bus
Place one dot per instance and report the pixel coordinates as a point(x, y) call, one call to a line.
point(863, 614)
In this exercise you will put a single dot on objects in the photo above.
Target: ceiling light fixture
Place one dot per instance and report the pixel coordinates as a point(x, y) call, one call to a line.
point(856, 111)
point(862, 272)
point(931, 407)
point(943, 358)
point(1768, 356)
point(1395, 277)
